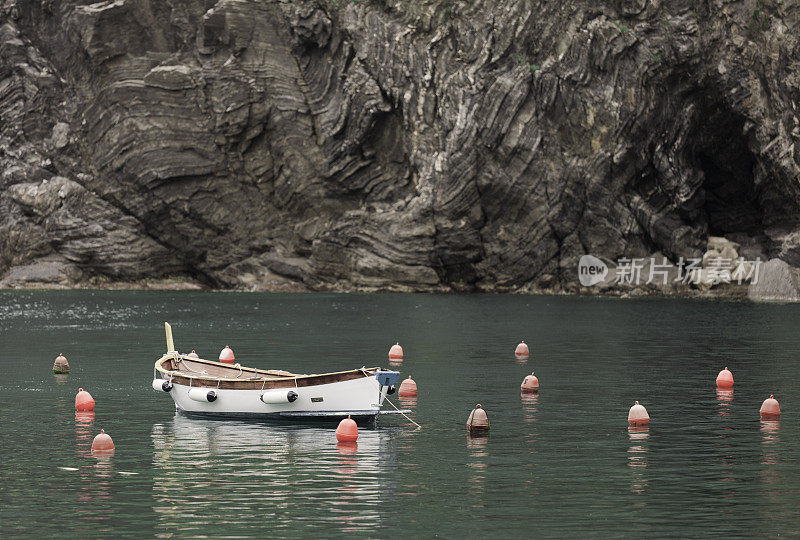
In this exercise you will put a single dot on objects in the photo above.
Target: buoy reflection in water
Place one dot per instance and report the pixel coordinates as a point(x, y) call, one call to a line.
point(770, 461)
point(637, 457)
point(770, 431)
point(724, 401)
point(477, 445)
point(84, 433)
point(408, 402)
point(84, 416)
point(530, 404)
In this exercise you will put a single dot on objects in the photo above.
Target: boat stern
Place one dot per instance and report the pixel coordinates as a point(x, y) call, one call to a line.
point(386, 383)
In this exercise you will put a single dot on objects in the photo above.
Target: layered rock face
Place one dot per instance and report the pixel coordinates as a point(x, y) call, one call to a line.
point(392, 145)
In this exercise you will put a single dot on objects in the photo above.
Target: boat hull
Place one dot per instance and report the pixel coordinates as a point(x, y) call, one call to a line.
point(360, 397)
point(362, 418)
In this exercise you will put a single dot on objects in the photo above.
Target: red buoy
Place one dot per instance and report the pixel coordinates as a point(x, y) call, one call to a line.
point(770, 409)
point(226, 355)
point(84, 401)
point(347, 430)
point(522, 350)
point(478, 421)
point(102, 444)
point(725, 379)
point(638, 416)
point(61, 365)
point(194, 354)
point(408, 388)
point(396, 352)
point(530, 384)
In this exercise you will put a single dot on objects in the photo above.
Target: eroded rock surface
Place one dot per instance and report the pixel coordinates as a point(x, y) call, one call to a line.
point(777, 282)
point(387, 144)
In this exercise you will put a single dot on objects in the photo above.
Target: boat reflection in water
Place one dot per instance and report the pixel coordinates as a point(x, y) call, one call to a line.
point(209, 473)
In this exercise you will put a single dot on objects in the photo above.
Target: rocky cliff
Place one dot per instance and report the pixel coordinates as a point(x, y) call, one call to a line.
point(392, 144)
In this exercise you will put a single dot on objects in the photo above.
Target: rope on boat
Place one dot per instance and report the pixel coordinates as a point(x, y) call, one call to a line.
point(187, 368)
point(401, 412)
point(237, 364)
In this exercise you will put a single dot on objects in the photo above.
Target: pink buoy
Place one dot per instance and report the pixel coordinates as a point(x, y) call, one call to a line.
point(195, 355)
point(396, 352)
point(522, 350)
point(84, 401)
point(226, 355)
point(725, 379)
point(347, 431)
point(770, 409)
point(530, 384)
point(408, 388)
point(638, 416)
point(102, 444)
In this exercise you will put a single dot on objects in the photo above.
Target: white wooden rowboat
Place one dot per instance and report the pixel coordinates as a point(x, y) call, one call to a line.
point(216, 390)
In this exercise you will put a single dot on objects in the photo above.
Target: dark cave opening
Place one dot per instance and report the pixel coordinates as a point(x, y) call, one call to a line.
point(700, 180)
point(730, 201)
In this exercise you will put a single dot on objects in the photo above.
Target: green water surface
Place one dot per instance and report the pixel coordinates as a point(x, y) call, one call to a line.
point(558, 464)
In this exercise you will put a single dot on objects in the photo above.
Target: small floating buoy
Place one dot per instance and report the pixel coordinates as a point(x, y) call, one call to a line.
point(347, 431)
point(530, 383)
point(396, 352)
point(194, 354)
point(61, 365)
point(408, 388)
point(725, 379)
point(770, 409)
point(226, 355)
point(84, 400)
point(522, 350)
point(478, 421)
point(638, 416)
point(102, 444)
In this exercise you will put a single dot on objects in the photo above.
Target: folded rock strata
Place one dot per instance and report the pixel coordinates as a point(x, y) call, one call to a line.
point(388, 145)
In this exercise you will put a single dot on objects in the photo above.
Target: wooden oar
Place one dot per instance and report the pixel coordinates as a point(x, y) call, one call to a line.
point(170, 343)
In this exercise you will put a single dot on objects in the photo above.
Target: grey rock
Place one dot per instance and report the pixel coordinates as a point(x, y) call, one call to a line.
point(478, 146)
point(45, 272)
point(60, 137)
point(777, 282)
point(170, 78)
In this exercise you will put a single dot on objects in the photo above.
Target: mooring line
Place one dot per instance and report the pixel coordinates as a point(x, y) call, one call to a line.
point(404, 414)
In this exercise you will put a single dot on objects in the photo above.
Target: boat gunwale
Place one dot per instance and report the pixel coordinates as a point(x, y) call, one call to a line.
point(177, 376)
